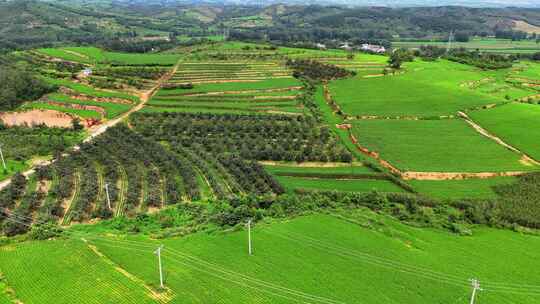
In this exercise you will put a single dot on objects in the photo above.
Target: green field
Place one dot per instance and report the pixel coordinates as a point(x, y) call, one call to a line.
point(482, 44)
point(112, 109)
point(460, 189)
point(92, 55)
point(77, 112)
point(435, 145)
point(65, 272)
point(516, 124)
point(12, 167)
point(314, 259)
point(86, 89)
point(349, 185)
point(345, 169)
point(425, 89)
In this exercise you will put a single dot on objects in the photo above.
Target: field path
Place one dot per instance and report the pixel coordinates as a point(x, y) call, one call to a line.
point(525, 158)
point(98, 130)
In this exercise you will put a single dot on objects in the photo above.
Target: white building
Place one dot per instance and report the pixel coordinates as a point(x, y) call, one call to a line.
point(379, 49)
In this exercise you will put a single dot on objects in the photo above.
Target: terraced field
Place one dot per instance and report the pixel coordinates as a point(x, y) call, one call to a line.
point(96, 85)
point(240, 87)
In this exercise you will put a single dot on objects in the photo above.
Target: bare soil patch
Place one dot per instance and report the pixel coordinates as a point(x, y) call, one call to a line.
point(49, 118)
point(526, 27)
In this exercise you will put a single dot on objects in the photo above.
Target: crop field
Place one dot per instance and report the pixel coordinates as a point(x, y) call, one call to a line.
point(362, 64)
point(107, 92)
point(410, 265)
point(220, 87)
point(318, 169)
point(515, 123)
point(482, 44)
point(461, 189)
point(92, 55)
point(435, 145)
point(425, 89)
point(294, 183)
point(352, 178)
point(69, 272)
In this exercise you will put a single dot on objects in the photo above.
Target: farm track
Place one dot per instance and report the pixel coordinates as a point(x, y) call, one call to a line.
point(100, 197)
point(412, 175)
point(98, 130)
point(120, 207)
point(525, 158)
point(66, 220)
point(159, 297)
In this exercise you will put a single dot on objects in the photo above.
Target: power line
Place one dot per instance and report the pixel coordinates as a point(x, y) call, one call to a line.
point(496, 287)
point(200, 262)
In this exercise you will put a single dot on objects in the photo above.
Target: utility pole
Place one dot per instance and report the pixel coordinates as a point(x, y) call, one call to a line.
point(476, 287)
point(108, 197)
point(249, 238)
point(2, 156)
point(158, 252)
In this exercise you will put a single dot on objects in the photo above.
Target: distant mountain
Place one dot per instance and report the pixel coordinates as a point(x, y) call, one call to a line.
point(389, 3)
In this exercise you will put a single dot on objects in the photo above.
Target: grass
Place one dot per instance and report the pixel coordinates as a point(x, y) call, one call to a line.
point(13, 167)
point(349, 185)
point(425, 89)
point(303, 254)
point(515, 123)
point(435, 145)
point(460, 189)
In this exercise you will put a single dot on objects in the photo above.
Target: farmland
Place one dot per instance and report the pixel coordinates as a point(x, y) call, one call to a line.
point(514, 123)
point(240, 87)
point(203, 267)
point(396, 173)
point(482, 44)
point(425, 89)
point(92, 55)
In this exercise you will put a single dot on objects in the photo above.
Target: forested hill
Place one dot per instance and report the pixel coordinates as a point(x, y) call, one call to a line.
point(31, 23)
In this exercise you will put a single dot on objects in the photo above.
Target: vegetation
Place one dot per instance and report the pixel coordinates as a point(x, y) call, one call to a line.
point(319, 144)
point(424, 146)
point(18, 85)
point(317, 71)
